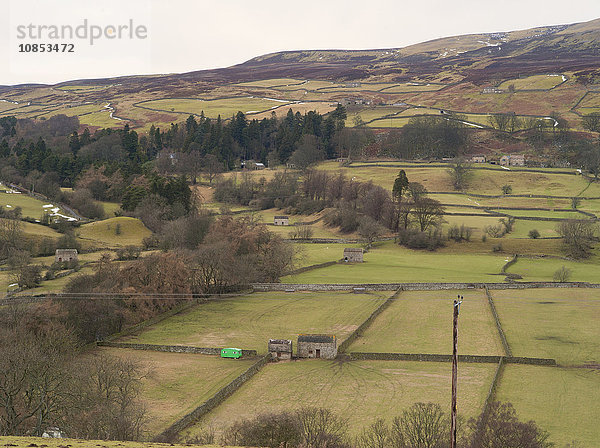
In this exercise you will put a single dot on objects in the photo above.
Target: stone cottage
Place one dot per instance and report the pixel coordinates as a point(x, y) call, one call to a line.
point(353, 255)
point(65, 255)
point(280, 348)
point(317, 346)
point(281, 220)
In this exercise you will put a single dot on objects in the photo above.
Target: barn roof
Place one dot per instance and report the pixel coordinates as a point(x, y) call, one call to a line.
point(280, 341)
point(282, 217)
point(353, 249)
point(325, 338)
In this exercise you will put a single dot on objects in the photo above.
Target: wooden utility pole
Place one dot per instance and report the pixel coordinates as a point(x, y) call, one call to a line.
point(454, 370)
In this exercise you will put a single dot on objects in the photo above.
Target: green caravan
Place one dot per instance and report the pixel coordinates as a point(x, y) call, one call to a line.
point(231, 353)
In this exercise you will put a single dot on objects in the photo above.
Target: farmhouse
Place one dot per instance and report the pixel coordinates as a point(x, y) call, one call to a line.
point(505, 160)
point(353, 255)
point(280, 348)
point(63, 255)
point(517, 160)
point(317, 346)
point(479, 158)
point(281, 220)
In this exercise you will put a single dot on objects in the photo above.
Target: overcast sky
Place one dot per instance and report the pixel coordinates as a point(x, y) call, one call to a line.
point(187, 35)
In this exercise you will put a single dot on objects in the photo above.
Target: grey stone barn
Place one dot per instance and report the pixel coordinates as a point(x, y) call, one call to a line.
point(62, 255)
point(281, 220)
point(317, 346)
point(280, 348)
point(353, 255)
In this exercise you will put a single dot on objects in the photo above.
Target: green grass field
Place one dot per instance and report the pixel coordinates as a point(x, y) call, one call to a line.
point(30, 206)
point(421, 322)
point(535, 82)
point(388, 263)
point(543, 269)
point(212, 108)
point(178, 383)
point(359, 390)
point(250, 321)
point(28, 442)
point(310, 253)
point(552, 323)
point(104, 233)
point(563, 402)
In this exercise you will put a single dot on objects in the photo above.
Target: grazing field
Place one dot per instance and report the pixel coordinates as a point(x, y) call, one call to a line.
point(101, 119)
point(248, 322)
point(310, 253)
point(30, 206)
point(552, 323)
point(535, 82)
point(411, 87)
point(359, 390)
point(543, 269)
point(562, 401)
point(421, 322)
point(522, 228)
point(75, 110)
point(389, 263)
point(225, 107)
point(178, 383)
point(110, 208)
point(310, 85)
point(275, 82)
point(370, 114)
point(118, 231)
point(28, 442)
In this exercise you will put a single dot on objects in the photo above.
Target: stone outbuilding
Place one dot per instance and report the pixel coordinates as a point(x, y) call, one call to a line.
point(317, 346)
point(280, 348)
point(353, 255)
point(65, 255)
point(479, 158)
point(281, 220)
point(517, 160)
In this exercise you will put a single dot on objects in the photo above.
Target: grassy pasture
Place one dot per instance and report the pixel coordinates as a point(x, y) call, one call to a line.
point(101, 119)
point(74, 110)
point(592, 100)
point(30, 206)
point(360, 390)
point(544, 214)
point(552, 323)
point(543, 269)
point(413, 87)
point(104, 233)
point(178, 383)
point(389, 263)
point(523, 227)
point(311, 253)
point(249, 321)
point(372, 113)
point(274, 82)
point(225, 107)
point(82, 88)
point(308, 85)
point(564, 402)
point(535, 82)
point(421, 322)
point(110, 208)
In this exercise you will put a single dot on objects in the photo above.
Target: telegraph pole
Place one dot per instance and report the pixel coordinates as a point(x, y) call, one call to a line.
point(454, 369)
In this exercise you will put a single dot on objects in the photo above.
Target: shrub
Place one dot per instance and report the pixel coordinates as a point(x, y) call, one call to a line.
point(128, 253)
point(533, 233)
point(415, 239)
point(497, 231)
point(506, 189)
point(562, 275)
point(458, 234)
point(497, 248)
point(301, 232)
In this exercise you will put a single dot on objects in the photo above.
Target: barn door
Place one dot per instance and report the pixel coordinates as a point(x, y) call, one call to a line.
point(318, 353)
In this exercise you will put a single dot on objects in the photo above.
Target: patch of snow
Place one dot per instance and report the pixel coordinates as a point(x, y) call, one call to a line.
point(276, 99)
point(13, 284)
point(47, 206)
point(251, 112)
point(8, 206)
point(564, 78)
point(505, 167)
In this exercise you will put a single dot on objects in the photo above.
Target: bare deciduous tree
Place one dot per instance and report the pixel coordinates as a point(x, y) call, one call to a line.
point(578, 236)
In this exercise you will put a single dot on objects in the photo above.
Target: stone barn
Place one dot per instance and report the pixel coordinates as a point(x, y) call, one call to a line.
point(65, 255)
point(317, 346)
point(281, 220)
point(353, 255)
point(280, 348)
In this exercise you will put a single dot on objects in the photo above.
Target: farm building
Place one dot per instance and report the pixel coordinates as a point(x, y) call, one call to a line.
point(281, 220)
point(317, 346)
point(353, 255)
point(479, 158)
point(505, 160)
point(63, 255)
point(517, 160)
point(280, 348)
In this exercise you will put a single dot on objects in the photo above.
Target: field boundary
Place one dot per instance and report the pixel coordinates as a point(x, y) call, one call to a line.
point(434, 357)
point(289, 287)
point(188, 419)
point(171, 348)
point(491, 396)
point(367, 322)
point(503, 339)
point(311, 267)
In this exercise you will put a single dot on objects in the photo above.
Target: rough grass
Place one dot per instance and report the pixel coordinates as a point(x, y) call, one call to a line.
point(274, 82)
point(104, 233)
point(101, 119)
point(178, 383)
point(250, 321)
point(28, 442)
point(421, 322)
point(213, 108)
point(552, 323)
point(359, 390)
point(535, 82)
point(310, 253)
point(563, 402)
point(389, 263)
